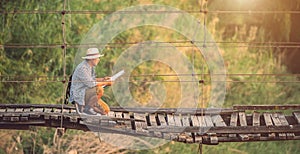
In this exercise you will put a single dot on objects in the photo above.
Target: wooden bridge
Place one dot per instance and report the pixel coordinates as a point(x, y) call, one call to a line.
point(206, 126)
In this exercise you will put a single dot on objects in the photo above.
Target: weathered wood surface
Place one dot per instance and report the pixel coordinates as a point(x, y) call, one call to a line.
point(208, 126)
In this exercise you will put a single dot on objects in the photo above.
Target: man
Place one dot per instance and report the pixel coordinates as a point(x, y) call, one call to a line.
point(84, 83)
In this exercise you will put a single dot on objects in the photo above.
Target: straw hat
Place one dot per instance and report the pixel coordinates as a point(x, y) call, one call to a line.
point(92, 53)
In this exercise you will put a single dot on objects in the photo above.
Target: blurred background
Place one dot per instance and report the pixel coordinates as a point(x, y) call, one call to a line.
point(258, 40)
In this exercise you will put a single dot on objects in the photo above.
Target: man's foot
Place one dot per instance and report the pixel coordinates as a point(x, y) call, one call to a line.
point(90, 111)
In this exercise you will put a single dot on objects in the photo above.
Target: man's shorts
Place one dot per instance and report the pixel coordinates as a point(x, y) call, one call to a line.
point(91, 99)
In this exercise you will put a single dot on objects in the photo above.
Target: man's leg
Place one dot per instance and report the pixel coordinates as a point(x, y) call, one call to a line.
point(79, 108)
point(90, 99)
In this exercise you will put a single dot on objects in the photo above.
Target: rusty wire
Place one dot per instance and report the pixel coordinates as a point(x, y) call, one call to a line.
point(182, 43)
point(201, 11)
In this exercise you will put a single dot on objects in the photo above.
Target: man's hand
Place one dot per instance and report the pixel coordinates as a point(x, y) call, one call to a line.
point(108, 78)
point(103, 79)
point(106, 81)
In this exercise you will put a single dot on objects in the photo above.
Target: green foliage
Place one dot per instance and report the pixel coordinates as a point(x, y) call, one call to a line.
point(34, 141)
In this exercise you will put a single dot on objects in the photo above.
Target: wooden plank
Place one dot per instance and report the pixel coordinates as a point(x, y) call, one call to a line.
point(119, 115)
point(173, 110)
point(19, 110)
point(57, 111)
point(10, 110)
point(255, 119)
point(56, 116)
point(267, 118)
point(297, 116)
point(243, 122)
point(268, 121)
point(132, 121)
point(284, 122)
point(185, 137)
point(66, 111)
point(232, 130)
point(162, 120)
point(73, 111)
point(23, 118)
point(27, 111)
point(74, 119)
point(242, 118)
point(276, 121)
point(47, 112)
point(185, 120)
point(153, 122)
point(14, 119)
point(148, 119)
point(111, 114)
point(171, 121)
point(177, 119)
point(267, 107)
point(233, 122)
point(256, 122)
point(127, 123)
point(201, 120)
point(218, 120)
point(208, 121)
point(195, 121)
point(38, 110)
point(1, 112)
point(203, 127)
point(186, 123)
point(233, 119)
point(140, 125)
point(214, 139)
point(35, 113)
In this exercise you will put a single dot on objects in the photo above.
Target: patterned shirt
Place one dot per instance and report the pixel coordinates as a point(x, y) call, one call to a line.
point(84, 77)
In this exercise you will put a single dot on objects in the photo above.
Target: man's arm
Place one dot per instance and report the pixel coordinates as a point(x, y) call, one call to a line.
point(85, 77)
